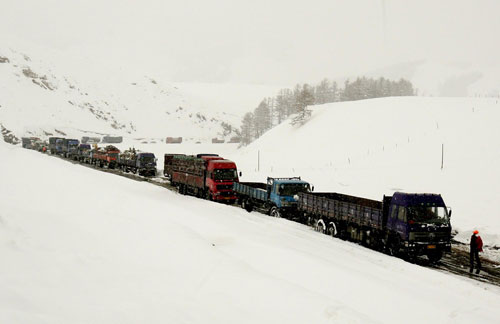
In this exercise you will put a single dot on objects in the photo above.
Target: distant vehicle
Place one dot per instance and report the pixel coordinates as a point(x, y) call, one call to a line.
point(405, 224)
point(105, 156)
point(173, 140)
point(277, 197)
point(29, 142)
point(40, 146)
point(69, 147)
point(90, 140)
point(215, 140)
point(55, 145)
point(135, 161)
point(209, 177)
point(83, 153)
point(112, 139)
point(235, 139)
point(26, 142)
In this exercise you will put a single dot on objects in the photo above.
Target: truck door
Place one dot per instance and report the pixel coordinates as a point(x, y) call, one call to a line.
point(401, 222)
point(392, 218)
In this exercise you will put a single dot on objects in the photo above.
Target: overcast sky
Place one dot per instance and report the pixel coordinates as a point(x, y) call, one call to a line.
point(272, 41)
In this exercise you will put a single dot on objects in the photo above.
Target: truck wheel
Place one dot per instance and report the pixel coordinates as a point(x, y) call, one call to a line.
point(246, 205)
point(393, 247)
point(332, 229)
point(275, 212)
point(320, 226)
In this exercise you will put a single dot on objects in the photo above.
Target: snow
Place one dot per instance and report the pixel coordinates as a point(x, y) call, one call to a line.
point(81, 246)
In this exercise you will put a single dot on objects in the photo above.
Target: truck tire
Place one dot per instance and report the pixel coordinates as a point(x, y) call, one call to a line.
point(275, 212)
point(246, 205)
point(319, 226)
point(332, 229)
point(393, 246)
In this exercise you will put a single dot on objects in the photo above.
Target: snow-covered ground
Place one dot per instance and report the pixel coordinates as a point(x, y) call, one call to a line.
point(82, 246)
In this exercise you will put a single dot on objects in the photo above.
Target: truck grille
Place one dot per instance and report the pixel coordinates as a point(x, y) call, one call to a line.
point(225, 187)
point(429, 236)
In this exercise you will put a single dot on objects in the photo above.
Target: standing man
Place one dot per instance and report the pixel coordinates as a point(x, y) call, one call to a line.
point(476, 246)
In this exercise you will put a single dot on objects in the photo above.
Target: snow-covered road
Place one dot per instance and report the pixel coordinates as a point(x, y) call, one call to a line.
point(82, 246)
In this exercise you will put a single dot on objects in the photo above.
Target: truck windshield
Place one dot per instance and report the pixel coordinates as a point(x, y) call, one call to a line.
point(147, 158)
point(291, 189)
point(225, 174)
point(427, 214)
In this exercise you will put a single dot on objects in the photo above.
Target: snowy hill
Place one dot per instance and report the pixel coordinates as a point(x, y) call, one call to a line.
point(41, 98)
point(82, 246)
point(446, 79)
point(374, 147)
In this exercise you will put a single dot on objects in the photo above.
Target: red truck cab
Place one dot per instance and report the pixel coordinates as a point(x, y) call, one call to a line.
point(220, 175)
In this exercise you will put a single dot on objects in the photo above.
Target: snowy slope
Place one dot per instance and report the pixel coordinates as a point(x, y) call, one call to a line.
point(81, 246)
point(446, 78)
point(375, 147)
point(83, 97)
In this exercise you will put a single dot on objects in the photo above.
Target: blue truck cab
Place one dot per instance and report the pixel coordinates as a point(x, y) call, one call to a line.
point(278, 196)
point(283, 191)
point(419, 224)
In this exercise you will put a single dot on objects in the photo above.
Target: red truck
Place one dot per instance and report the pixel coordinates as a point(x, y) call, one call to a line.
point(205, 176)
point(106, 156)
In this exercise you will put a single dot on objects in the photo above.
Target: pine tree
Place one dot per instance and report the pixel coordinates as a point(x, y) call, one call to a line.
point(247, 128)
point(262, 118)
point(304, 99)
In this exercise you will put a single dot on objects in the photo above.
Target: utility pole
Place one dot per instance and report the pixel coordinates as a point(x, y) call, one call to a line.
point(442, 156)
point(258, 160)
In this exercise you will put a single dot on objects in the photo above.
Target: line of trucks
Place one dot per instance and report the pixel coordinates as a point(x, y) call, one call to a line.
point(131, 160)
point(404, 224)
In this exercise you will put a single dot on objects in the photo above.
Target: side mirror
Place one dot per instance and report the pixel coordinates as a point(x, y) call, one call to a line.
point(240, 173)
point(312, 188)
point(449, 214)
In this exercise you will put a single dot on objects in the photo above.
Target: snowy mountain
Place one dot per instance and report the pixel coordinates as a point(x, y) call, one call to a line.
point(41, 98)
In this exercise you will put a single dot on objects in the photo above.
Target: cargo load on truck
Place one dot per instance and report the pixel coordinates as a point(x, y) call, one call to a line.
point(135, 161)
point(167, 164)
point(105, 156)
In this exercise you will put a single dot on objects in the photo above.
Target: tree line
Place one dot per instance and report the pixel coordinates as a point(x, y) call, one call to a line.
point(273, 111)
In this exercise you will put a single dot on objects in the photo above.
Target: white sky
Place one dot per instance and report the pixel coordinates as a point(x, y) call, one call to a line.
point(259, 41)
